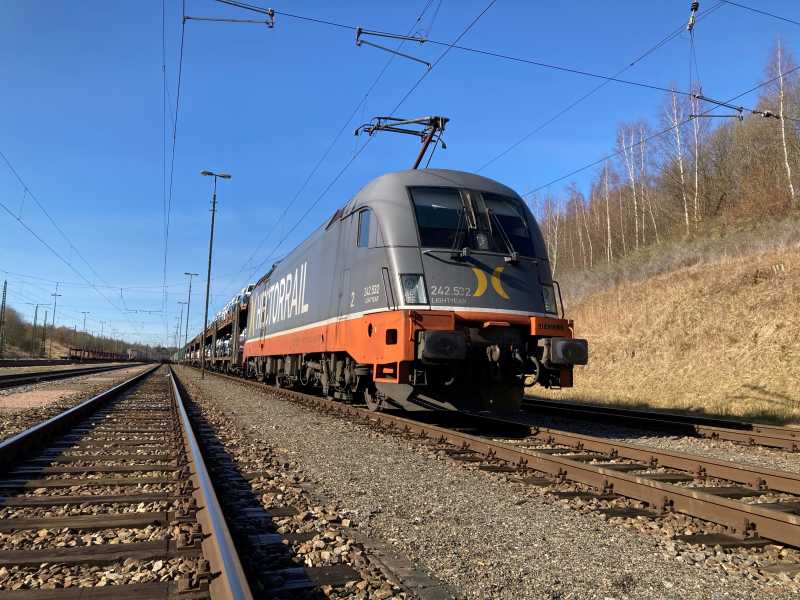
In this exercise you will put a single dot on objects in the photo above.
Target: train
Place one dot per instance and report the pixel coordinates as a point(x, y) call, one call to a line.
point(429, 289)
point(92, 355)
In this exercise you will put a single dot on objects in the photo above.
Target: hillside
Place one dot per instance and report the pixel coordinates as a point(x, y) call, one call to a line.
point(721, 337)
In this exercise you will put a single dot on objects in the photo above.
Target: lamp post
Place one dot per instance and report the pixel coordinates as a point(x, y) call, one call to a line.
point(55, 296)
point(208, 276)
point(33, 329)
point(85, 339)
point(188, 306)
point(180, 327)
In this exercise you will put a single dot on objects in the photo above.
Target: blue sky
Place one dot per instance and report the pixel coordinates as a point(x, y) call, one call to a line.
point(81, 123)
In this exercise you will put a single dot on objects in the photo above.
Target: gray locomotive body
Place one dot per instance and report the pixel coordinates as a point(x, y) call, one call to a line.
point(428, 289)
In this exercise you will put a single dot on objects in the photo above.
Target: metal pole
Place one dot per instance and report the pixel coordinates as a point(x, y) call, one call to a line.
point(44, 334)
point(208, 281)
point(180, 327)
point(83, 338)
point(3, 319)
point(188, 306)
point(33, 331)
point(53, 328)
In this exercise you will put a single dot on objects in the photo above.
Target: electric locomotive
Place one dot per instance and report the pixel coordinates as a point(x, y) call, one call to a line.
point(429, 289)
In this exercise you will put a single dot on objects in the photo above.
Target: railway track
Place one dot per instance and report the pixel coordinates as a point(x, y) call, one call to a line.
point(754, 434)
point(114, 492)
point(743, 506)
point(10, 380)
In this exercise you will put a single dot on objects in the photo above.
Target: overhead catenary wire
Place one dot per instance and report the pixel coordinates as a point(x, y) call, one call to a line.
point(155, 287)
point(57, 254)
point(172, 159)
point(28, 193)
point(665, 40)
point(454, 45)
point(163, 144)
point(358, 153)
point(328, 150)
point(762, 12)
point(659, 133)
point(494, 54)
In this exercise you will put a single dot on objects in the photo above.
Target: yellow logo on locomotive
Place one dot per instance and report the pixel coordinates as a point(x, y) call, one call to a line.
point(483, 283)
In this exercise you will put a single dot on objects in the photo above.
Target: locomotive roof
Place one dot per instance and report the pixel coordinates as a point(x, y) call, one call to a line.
point(390, 188)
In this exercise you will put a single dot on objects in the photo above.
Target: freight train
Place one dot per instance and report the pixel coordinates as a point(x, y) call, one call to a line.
point(429, 289)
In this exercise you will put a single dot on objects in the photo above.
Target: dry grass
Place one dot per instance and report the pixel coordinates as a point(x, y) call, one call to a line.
point(720, 338)
point(58, 351)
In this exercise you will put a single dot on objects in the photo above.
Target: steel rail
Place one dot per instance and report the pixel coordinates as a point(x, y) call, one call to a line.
point(228, 578)
point(34, 362)
point(17, 445)
point(740, 518)
point(18, 379)
point(746, 520)
point(756, 434)
point(700, 466)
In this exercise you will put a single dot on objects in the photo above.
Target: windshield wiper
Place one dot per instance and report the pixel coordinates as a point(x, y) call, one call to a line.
point(513, 256)
point(464, 251)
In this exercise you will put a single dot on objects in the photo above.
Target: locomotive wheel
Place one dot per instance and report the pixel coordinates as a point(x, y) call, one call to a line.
point(373, 399)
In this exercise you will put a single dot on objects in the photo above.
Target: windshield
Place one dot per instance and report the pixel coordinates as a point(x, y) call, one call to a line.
point(456, 219)
point(511, 216)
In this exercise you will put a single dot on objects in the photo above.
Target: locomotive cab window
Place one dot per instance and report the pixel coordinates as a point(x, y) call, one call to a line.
point(440, 215)
point(509, 215)
point(363, 229)
point(455, 219)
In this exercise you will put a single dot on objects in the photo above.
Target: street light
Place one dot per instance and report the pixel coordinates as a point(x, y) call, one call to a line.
point(208, 277)
point(35, 318)
point(55, 296)
point(180, 326)
point(188, 306)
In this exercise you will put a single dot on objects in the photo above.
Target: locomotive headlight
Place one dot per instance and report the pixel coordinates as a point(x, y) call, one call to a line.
point(414, 288)
point(549, 297)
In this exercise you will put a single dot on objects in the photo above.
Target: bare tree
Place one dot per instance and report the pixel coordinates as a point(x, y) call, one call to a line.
point(781, 108)
point(609, 251)
point(695, 102)
point(622, 222)
point(675, 119)
point(629, 167)
point(646, 198)
point(573, 213)
point(675, 183)
point(588, 233)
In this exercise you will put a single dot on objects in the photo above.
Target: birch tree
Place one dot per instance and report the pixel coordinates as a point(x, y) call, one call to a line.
point(781, 114)
point(609, 250)
point(695, 103)
point(646, 198)
point(630, 169)
point(675, 117)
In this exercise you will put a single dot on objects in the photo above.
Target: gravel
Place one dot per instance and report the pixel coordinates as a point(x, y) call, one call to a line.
point(85, 508)
point(61, 395)
point(52, 576)
point(484, 535)
point(316, 533)
point(29, 539)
